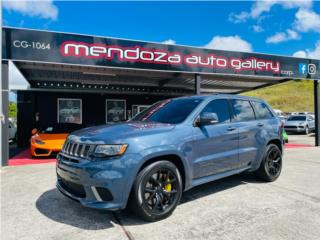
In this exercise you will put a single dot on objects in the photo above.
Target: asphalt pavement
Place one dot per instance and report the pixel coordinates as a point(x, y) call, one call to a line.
point(239, 207)
point(302, 138)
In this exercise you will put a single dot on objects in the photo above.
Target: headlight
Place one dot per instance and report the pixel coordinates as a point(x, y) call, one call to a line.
point(38, 141)
point(110, 150)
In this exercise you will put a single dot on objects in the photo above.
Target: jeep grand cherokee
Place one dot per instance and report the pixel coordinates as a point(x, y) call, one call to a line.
point(170, 147)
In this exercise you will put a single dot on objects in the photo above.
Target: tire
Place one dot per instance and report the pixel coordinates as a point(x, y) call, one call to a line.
point(271, 164)
point(307, 130)
point(151, 199)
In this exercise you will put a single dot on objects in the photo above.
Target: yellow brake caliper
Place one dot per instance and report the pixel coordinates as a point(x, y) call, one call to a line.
point(168, 186)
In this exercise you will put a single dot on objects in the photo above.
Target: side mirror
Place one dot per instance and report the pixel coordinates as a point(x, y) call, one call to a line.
point(34, 131)
point(207, 118)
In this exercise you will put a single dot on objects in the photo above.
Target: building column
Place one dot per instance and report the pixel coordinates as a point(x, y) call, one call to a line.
point(4, 103)
point(197, 80)
point(316, 88)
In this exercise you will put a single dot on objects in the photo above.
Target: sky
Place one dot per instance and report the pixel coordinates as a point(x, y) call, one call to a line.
point(275, 27)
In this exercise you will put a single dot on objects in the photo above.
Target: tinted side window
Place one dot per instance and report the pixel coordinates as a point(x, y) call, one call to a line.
point(262, 111)
point(242, 110)
point(221, 108)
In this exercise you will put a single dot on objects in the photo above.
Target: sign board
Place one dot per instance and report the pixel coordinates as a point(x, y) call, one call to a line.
point(65, 48)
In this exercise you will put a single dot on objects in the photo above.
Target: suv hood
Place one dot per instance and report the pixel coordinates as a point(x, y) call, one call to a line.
point(294, 123)
point(116, 133)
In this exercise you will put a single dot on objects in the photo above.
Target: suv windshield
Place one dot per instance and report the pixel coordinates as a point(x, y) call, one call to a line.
point(172, 111)
point(297, 118)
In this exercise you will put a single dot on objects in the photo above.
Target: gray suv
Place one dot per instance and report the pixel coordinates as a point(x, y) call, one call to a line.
point(169, 148)
point(303, 123)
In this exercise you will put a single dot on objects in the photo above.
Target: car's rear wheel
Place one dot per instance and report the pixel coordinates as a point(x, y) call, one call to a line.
point(271, 164)
point(157, 191)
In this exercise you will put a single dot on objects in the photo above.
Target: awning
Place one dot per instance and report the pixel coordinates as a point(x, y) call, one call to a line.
point(63, 61)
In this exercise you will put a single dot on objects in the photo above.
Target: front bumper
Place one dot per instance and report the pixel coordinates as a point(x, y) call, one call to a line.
point(104, 184)
point(297, 129)
point(43, 151)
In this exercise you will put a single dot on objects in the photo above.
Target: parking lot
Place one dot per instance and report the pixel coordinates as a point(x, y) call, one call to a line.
point(238, 207)
point(301, 139)
point(117, 113)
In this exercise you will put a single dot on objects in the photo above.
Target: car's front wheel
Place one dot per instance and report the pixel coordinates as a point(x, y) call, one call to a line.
point(307, 130)
point(271, 164)
point(157, 191)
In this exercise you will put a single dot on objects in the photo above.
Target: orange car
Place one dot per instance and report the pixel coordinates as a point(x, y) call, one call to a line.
point(48, 142)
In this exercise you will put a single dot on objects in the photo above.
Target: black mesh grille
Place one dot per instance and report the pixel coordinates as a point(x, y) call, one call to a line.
point(41, 151)
point(73, 188)
point(104, 194)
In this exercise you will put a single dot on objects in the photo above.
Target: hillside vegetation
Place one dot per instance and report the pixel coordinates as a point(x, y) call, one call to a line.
point(292, 96)
point(12, 110)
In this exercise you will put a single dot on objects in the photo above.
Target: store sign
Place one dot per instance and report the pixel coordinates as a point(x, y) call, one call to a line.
point(52, 47)
point(158, 56)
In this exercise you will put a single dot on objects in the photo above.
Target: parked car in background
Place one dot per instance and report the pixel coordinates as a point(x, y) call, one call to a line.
point(172, 146)
point(12, 131)
point(49, 141)
point(283, 118)
point(280, 115)
point(278, 112)
point(302, 123)
point(294, 113)
point(306, 113)
point(302, 113)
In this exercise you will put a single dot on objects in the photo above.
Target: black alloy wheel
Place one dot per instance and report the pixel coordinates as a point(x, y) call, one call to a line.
point(160, 190)
point(271, 164)
point(157, 191)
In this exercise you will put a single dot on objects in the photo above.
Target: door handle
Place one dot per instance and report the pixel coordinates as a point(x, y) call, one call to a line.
point(260, 124)
point(231, 128)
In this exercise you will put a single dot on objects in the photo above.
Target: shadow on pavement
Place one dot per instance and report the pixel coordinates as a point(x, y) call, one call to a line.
point(218, 186)
point(57, 207)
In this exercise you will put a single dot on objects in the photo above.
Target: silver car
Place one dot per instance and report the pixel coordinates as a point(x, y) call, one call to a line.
point(12, 131)
point(302, 123)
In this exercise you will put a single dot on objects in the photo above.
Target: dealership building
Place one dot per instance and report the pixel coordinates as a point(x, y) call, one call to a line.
point(90, 80)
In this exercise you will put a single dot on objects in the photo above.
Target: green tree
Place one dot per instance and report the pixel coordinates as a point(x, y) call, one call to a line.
point(13, 110)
